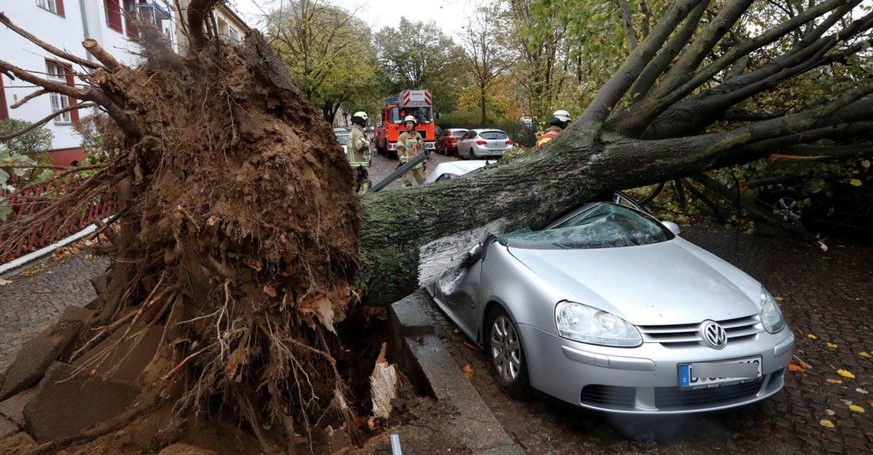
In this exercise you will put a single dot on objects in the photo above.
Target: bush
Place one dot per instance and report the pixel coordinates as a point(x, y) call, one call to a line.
point(33, 144)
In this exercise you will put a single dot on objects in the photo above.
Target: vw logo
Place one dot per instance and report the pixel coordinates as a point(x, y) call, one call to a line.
point(714, 335)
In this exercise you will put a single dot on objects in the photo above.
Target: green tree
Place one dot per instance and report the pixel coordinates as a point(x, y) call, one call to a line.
point(483, 40)
point(328, 51)
point(419, 55)
point(34, 143)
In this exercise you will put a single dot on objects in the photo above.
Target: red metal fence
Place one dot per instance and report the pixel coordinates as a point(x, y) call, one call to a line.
point(30, 201)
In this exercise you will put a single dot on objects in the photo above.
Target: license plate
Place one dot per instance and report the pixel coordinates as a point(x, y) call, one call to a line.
point(713, 374)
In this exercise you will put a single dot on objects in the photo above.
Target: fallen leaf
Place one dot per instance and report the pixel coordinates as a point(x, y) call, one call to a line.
point(4, 282)
point(793, 367)
point(468, 371)
point(830, 412)
point(835, 381)
point(846, 374)
point(855, 182)
point(801, 362)
point(861, 391)
point(833, 346)
point(812, 337)
point(826, 423)
point(847, 402)
point(870, 402)
point(856, 408)
point(778, 298)
point(864, 354)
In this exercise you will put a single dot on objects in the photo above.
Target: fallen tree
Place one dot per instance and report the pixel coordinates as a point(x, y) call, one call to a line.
point(239, 233)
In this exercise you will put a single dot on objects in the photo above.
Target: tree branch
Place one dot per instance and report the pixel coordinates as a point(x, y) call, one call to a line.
point(28, 98)
point(702, 45)
point(628, 25)
point(45, 120)
point(640, 116)
point(101, 55)
point(48, 47)
point(665, 57)
point(614, 89)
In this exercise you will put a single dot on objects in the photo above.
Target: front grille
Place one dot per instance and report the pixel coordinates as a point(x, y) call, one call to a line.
point(667, 398)
point(678, 335)
point(611, 396)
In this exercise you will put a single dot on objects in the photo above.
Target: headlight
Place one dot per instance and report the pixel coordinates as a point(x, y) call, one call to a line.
point(771, 316)
point(590, 325)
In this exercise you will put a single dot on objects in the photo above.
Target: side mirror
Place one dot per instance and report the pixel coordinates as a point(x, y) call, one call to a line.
point(673, 227)
point(473, 255)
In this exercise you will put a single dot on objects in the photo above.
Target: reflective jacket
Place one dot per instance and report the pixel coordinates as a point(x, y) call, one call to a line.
point(409, 144)
point(358, 141)
point(550, 134)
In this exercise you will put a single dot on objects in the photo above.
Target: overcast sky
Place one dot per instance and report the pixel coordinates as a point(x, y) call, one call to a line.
point(449, 15)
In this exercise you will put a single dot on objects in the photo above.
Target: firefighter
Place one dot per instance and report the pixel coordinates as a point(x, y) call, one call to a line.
point(559, 121)
point(410, 144)
point(359, 151)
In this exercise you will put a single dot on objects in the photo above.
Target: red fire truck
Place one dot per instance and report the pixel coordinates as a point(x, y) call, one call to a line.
point(417, 103)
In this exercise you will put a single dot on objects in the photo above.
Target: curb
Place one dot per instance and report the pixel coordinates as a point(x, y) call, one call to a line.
point(432, 371)
point(16, 265)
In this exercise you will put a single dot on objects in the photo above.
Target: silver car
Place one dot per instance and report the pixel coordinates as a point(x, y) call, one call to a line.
point(480, 143)
point(454, 169)
point(343, 139)
point(609, 309)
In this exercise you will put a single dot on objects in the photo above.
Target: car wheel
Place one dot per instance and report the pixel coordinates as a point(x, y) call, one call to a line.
point(786, 206)
point(471, 155)
point(506, 354)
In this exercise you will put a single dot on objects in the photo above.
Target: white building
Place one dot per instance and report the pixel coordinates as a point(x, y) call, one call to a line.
point(230, 26)
point(65, 24)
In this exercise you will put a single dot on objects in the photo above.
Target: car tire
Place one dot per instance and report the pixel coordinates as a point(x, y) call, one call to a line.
point(786, 206)
point(505, 351)
point(471, 155)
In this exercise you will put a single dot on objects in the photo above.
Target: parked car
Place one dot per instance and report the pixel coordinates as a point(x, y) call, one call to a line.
point(343, 138)
point(454, 169)
point(609, 309)
point(479, 143)
point(447, 143)
point(845, 210)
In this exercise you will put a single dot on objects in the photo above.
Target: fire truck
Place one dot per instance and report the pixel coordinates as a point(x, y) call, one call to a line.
point(417, 103)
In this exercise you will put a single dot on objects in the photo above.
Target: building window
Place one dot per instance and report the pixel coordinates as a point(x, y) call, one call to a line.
point(130, 18)
point(113, 14)
point(55, 6)
point(234, 36)
point(58, 72)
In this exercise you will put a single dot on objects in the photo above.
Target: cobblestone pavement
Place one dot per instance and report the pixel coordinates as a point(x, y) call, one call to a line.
point(32, 301)
point(826, 295)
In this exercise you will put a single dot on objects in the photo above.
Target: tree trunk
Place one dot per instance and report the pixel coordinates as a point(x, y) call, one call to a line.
point(482, 105)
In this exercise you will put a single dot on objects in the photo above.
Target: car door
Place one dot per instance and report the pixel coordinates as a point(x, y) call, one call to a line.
point(464, 143)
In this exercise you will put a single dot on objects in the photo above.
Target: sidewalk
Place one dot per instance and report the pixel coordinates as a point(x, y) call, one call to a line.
point(32, 301)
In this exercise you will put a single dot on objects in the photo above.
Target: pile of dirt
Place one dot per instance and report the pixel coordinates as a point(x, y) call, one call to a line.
point(233, 258)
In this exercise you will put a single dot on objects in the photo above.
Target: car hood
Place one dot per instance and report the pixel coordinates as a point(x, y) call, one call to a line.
point(672, 282)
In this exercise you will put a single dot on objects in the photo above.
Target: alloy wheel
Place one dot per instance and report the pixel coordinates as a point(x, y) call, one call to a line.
point(505, 349)
point(788, 209)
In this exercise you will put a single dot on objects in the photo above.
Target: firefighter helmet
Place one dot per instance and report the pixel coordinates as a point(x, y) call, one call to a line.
point(563, 115)
point(555, 121)
point(360, 118)
point(410, 118)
